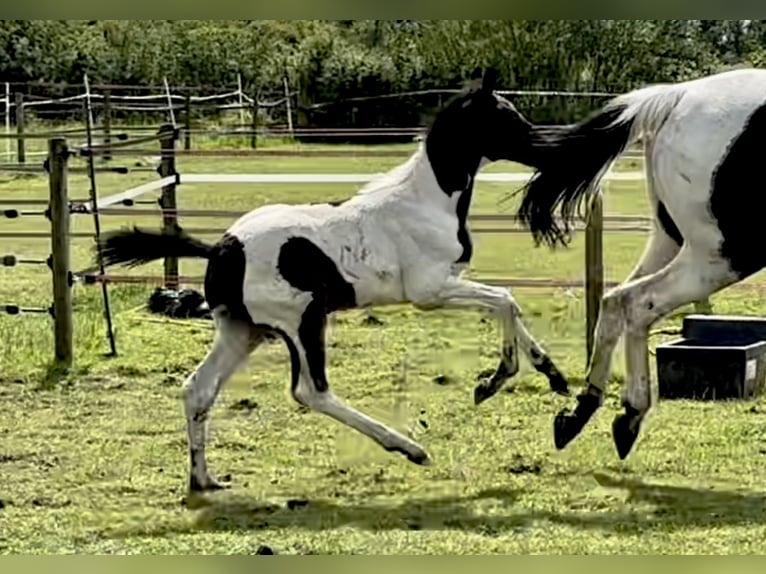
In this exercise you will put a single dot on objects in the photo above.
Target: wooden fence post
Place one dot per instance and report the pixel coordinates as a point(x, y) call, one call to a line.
point(254, 124)
point(594, 270)
point(58, 156)
point(21, 155)
point(107, 123)
point(187, 121)
point(168, 135)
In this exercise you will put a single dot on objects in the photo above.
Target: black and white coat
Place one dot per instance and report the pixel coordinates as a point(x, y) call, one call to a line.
point(402, 238)
point(704, 141)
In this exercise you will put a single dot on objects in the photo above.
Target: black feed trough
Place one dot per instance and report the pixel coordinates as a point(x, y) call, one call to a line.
point(718, 357)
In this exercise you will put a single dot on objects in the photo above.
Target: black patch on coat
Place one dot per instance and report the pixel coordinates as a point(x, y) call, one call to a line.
point(737, 200)
point(668, 225)
point(454, 173)
point(463, 236)
point(225, 277)
point(306, 267)
point(473, 125)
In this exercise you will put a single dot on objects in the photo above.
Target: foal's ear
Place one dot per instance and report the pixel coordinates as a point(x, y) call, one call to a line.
point(475, 83)
point(483, 82)
point(489, 81)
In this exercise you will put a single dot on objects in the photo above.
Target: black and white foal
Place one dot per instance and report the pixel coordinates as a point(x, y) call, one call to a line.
point(704, 141)
point(282, 269)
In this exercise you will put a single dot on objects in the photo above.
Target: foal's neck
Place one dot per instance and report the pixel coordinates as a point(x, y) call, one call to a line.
point(452, 170)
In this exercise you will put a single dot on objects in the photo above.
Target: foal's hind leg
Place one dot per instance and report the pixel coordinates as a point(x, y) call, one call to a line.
point(310, 388)
point(234, 341)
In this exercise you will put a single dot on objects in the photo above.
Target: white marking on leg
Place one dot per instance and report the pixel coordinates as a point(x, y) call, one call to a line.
point(660, 250)
point(234, 342)
point(689, 277)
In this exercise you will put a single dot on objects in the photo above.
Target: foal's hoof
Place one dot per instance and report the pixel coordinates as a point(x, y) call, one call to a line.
point(416, 455)
point(210, 484)
point(482, 392)
point(420, 458)
point(556, 380)
point(559, 384)
point(625, 429)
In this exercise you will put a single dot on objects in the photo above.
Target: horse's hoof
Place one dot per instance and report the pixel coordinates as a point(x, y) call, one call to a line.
point(566, 426)
point(625, 429)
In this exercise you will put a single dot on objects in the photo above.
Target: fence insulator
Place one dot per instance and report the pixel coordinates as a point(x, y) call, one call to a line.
point(11, 260)
point(16, 310)
point(11, 213)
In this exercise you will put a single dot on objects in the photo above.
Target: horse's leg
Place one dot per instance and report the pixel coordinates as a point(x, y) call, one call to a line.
point(635, 307)
point(310, 387)
point(457, 292)
point(662, 246)
point(233, 343)
point(686, 280)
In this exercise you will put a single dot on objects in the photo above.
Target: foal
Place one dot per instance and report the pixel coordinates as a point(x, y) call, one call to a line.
point(282, 269)
point(704, 141)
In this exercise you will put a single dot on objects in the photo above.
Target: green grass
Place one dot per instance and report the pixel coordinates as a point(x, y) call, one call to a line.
point(95, 460)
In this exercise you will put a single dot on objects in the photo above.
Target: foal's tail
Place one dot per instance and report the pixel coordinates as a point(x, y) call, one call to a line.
point(135, 246)
point(571, 160)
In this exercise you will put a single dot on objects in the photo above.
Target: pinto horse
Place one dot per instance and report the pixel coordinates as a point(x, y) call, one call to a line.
point(703, 140)
point(403, 238)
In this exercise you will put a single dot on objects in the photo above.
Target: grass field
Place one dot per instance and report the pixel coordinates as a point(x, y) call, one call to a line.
point(95, 461)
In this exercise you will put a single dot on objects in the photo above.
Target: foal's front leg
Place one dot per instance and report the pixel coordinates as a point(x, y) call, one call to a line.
point(458, 292)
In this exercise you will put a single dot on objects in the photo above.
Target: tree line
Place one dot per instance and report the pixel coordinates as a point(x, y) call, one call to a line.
point(331, 61)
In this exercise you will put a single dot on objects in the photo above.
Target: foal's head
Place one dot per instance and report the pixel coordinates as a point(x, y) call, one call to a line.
point(474, 125)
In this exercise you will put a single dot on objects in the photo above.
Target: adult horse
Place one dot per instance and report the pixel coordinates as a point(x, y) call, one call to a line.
point(281, 269)
point(703, 147)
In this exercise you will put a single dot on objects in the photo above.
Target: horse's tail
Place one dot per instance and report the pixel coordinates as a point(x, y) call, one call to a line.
point(571, 160)
point(135, 246)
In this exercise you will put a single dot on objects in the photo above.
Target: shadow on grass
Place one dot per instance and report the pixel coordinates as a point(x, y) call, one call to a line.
point(235, 513)
point(685, 505)
point(673, 506)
